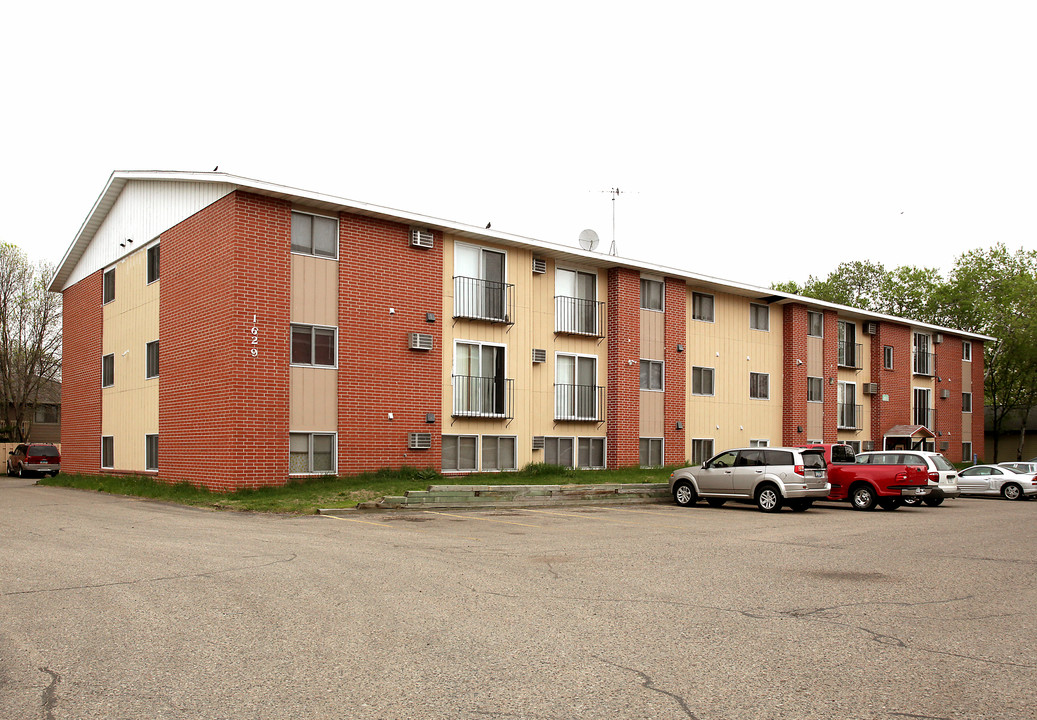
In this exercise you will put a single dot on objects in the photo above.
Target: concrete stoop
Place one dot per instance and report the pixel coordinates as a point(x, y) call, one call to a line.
point(500, 496)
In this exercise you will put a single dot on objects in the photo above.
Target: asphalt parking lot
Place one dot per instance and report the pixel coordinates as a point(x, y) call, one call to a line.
point(121, 608)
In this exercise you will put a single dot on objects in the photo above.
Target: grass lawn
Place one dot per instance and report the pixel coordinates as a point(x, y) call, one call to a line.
point(307, 496)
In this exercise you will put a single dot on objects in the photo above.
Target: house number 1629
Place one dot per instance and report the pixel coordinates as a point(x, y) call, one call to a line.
point(254, 338)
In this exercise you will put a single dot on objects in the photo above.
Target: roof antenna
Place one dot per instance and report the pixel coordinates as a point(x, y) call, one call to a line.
point(614, 192)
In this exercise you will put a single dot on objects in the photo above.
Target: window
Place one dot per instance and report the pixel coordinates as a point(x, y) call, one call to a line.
point(576, 389)
point(311, 453)
point(924, 360)
point(759, 317)
point(846, 404)
point(47, 414)
point(759, 386)
point(966, 402)
point(151, 452)
point(887, 357)
point(576, 306)
point(702, 307)
point(966, 350)
point(651, 294)
point(108, 286)
point(651, 452)
point(847, 347)
point(498, 453)
point(759, 443)
point(460, 452)
point(480, 388)
point(152, 264)
point(479, 287)
point(701, 450)
point(855, 446)
point(651, 375)
point(107, 370)
point(151, 353)
point(591, 453)
point(313, 345)
point(702, 380)
point(558, 451)
point(923, 413)
point(107, 452)
point(314, 235)
point(815, 389)
point(966, 452)
point(815, 324)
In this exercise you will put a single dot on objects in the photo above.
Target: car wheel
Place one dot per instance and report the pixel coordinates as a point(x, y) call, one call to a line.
point(768, 499)
point(716, 502)
point(934, 502)
point(913, 501)
point(890, 503)
point(10, 472)
point(862, 497)
point(684, 494)
point(800, 505)
point(19, 471)
point(1011, 491)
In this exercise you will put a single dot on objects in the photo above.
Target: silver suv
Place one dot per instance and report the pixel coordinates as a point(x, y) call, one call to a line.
point(768, 476)
point(943, 478)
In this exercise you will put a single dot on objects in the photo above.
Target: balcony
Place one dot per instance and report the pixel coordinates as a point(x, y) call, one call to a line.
point(488, 300)
point(924, 364)
point(579, 403)
point(924, 416)
point(576, 316)
point(850, 355)
point(849, 417)
point(483, 397)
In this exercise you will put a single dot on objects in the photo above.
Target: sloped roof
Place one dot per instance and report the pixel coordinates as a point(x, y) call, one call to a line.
point(909, 431)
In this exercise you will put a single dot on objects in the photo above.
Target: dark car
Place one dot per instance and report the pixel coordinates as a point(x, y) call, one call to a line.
point(42, 458)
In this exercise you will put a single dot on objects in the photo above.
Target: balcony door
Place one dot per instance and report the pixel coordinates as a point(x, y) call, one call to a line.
point(577, 306)
point(478, 380)
point(576, 391)
point(479, 282)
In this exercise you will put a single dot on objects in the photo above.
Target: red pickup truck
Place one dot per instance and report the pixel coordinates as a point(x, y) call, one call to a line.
point(866, 486)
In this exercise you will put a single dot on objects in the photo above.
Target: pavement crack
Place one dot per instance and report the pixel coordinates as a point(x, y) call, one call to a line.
point(649, 684)
point(50, 694)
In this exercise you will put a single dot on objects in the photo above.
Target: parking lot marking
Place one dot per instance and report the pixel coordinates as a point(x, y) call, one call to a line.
point(577, 515)
point(476, 517)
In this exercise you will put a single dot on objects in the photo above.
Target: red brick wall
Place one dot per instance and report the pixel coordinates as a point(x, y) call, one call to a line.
point(978, 437)
point(223, 414)
point(895, 383)
point(624, 378)
point(794, 375)
point(831, 370)
point(378, 374)
point(675, 397)
point(81, 376)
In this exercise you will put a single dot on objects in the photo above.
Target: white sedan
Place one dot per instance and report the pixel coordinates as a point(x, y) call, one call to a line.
point(996, 480)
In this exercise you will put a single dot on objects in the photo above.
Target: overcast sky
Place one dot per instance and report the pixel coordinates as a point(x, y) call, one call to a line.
point(753, 141)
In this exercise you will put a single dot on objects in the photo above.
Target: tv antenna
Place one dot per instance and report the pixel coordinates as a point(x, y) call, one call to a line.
point(615, 193)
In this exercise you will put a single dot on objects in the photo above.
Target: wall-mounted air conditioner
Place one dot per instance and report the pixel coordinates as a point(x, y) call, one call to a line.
point(937, 338)
point(539, 266)
point(419, 441)
point(420, 341)
point(420, 237)
point(944, 445)
point(539, 355)
point(538, 442)
point(945, 393)
point(871, 388)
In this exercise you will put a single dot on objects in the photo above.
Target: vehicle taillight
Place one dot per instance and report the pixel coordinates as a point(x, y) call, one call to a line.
point(934, 476)
point(798, 469)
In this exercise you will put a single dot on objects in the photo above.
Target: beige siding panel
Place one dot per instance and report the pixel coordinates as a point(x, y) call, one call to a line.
point(314, 297)
point(313, 404)
point(966, 418)
point(653, 339)
point(815, 359)
point(129, 409)
point(651, 416)
point(815, 421)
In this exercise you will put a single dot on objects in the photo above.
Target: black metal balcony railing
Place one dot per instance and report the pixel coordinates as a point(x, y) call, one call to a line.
point(924, 416)
point(850, 417)
point(579, 402)
point(924, 364)
point(483, 397)
point(850, 355)
point(484, 300)
point(577, 316)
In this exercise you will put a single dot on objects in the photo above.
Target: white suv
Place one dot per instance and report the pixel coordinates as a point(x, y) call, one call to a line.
point(943, 478)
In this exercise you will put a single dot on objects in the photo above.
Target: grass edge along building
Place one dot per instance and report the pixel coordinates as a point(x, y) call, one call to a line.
point(302, 334)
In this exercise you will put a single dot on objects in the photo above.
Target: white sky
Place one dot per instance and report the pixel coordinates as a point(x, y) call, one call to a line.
point(754, 141)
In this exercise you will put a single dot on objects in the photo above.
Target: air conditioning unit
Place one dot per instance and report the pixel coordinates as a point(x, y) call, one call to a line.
point(539, 355)
point(538, 442)
point(871, 328)
point(420, 237)
point(945, 393)
point(420, 341)
point(937, 338)
point(867, 445)
point(419, 441)
point(539, 266)
point(871, 388)
point(944, 445)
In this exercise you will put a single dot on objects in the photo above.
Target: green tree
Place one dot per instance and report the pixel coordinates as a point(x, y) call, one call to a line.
point(30, 337)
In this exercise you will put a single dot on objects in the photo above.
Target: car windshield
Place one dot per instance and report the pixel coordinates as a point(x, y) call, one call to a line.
point(44, 450)
point(941, 462)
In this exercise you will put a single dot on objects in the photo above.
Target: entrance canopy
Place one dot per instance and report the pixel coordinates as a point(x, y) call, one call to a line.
point(909, 437)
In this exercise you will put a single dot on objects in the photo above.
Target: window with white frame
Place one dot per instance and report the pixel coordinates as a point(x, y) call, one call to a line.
point(651, 375)
point(311, 453)
point(479, 384)
point(460, 453)
point(702, 380)
point(966, 402)
point(701, 450)
point(107, 452)
point(759, 386)
point(314, 235)
point(759, 317)
point(966, 350)
point(815, 389)
point(855, 445)
point(702, 307)
point(576, 306)
point(887, 357)
point(479, 287)
point(107, 370)
point(108, 286)
point(313, 345)
point(590, 453)
point(151, 452)
point(576, 389)
point(759, 443)
point(846, 406)
point(651, 294)
point(151, 359)
point(558, 451)
point(498, 453)
point(966, 452)
point(815, 324)
point(651, 452)
point(152, 263)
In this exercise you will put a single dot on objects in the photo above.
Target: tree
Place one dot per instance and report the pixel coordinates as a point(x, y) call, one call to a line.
point(30, 337)
point(856, 284)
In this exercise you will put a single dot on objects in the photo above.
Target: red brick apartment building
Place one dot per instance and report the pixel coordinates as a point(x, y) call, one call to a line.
point(304, 334)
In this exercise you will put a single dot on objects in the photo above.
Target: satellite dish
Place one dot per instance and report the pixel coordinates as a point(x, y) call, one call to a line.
point(588, 240)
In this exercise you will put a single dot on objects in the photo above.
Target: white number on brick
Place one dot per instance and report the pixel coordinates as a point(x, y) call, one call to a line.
point(255, 338)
